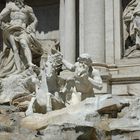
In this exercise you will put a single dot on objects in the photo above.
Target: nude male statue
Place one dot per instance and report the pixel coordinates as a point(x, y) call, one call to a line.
point(85, 77)
point(18, 31)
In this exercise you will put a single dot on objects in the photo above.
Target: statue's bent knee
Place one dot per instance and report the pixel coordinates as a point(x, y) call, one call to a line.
point(23, 43)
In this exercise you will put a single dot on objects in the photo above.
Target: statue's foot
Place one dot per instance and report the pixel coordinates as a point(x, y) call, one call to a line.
point(17, 72)
point(31, 65)
point(34, 68)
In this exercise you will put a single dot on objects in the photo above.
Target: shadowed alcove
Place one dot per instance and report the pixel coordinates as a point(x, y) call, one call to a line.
point(46, 11)
point(125, 3)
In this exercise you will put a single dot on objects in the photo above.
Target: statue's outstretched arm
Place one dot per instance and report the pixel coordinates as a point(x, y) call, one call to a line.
point(4, 13)
point(33, 19)
point(68, 65)
point(96, 80)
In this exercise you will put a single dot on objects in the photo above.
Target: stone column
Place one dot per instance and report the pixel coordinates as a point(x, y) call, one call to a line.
point(70, 25)
point(109, 31)
point(81, 27)
point(93, 30)
point(62, 26)
point(117, 29)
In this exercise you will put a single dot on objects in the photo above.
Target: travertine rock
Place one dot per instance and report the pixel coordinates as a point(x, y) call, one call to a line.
point(69, 132)
point(18, 84)
point(134, 89)
point(84, 113)
point(131, 119)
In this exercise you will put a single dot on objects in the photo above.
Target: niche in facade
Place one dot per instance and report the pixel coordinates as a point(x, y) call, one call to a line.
point(131, 26)
point(47, 13)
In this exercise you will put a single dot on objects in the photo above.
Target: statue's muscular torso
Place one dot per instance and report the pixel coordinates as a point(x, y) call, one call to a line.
point(19, 16)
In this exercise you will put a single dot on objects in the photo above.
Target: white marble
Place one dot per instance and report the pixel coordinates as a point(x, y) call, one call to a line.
point(70, 29)
point(117, 29)
point(94, 27)
point(81, 27)
point(109, 32)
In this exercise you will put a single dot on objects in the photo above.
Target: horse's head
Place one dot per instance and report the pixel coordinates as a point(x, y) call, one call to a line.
point(53, 64)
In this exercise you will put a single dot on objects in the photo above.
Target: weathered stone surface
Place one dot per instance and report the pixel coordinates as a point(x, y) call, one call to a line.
point(15, 136)
point(109, 106)
point(69, 132)
point(127, 136)
point(113, 116)
point(18, 84)
point(85, 114)
point(130, 121)
point(134, 89)
point(5, 124)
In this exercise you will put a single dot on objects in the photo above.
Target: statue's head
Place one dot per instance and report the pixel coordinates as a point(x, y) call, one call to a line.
point(85, 58)
point(19, 3)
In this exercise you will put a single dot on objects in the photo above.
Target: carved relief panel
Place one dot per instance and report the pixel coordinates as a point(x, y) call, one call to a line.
point(131, 26)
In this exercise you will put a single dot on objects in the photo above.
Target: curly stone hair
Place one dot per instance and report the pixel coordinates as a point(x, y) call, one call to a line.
point(86, 58)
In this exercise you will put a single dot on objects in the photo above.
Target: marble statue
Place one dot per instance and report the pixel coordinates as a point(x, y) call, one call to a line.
point(131, 17)
point(18, 23)
point(49, 46)
point(47, 88)
point(48, 94)
point(85, 79)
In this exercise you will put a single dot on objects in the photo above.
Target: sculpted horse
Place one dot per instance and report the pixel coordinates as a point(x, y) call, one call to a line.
point(47, 89)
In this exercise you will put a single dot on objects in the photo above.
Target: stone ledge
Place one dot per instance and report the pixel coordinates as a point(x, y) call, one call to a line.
point(122, 79)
